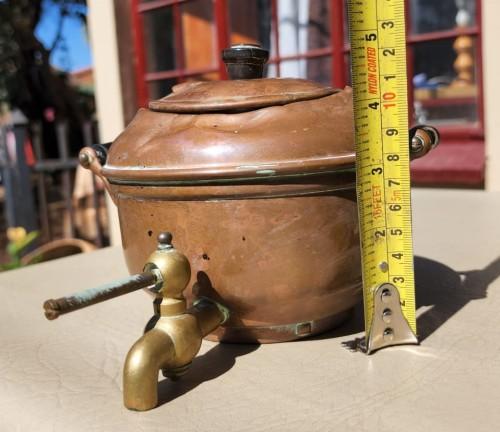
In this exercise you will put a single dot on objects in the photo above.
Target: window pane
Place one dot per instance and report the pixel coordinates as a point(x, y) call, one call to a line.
point(445, 87)
point(160, 88)
point(160, 37)
point(293, 68)
point(432, 15)
point(198, 34)
point(303, 24)
point(159, 40)
point(250, 22)
point(271, 70)
point(320, 70)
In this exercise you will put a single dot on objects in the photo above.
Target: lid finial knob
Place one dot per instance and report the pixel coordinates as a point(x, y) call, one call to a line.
point(245, 61)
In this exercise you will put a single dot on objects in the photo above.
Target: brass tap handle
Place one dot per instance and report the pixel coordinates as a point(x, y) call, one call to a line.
point(55, 307)
point(174, 272)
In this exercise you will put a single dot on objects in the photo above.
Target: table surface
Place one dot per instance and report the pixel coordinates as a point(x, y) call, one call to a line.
point(65, 375)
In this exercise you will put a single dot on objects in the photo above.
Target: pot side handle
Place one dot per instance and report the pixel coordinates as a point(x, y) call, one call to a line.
point(93, 158)
point(423, 139)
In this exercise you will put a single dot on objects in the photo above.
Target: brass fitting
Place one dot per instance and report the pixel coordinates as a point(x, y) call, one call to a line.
point(174, 272)
point(176, 337)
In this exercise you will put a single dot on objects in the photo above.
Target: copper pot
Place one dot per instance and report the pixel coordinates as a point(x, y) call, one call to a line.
point(255, 178)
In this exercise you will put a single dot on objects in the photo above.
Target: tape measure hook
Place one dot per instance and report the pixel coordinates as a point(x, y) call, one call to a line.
point(389, 326)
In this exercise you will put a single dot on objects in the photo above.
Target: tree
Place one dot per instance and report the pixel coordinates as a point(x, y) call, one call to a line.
point(27, 80)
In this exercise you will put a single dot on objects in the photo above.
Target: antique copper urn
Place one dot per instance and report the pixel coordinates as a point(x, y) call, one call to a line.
point(254, 178)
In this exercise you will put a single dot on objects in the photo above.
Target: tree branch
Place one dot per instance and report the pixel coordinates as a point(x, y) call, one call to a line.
point(62, 15)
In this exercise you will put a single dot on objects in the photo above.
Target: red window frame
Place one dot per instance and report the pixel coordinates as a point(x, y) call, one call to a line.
point(337, 50)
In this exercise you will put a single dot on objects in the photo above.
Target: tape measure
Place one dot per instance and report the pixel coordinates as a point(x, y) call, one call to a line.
point(378, 53)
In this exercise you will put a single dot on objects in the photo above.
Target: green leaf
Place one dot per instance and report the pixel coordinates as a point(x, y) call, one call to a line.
point(15, 248)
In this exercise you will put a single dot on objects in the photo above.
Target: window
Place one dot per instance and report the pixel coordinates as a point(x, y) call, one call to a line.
point(181, 40)
point(444, 41)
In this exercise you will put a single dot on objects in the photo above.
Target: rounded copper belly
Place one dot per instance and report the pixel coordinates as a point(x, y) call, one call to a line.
point(286, 267)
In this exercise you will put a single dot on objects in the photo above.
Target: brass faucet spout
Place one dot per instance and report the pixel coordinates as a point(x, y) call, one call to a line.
point(175, 339)
point(171, 347)
point(140, 375)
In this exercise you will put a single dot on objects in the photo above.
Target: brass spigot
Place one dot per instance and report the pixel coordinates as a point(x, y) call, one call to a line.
point(174, 340)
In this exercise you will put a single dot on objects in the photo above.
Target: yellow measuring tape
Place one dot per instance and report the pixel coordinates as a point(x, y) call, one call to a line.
point(378, 52)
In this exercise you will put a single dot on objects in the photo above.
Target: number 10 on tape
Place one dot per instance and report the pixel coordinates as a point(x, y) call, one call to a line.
point(378, 53)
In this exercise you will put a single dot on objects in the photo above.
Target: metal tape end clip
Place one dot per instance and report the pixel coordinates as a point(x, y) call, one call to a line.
point(389, 325)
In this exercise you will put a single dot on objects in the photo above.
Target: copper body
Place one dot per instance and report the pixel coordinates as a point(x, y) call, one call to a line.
point(284, 267)
point(262, 203)
point(256, 180)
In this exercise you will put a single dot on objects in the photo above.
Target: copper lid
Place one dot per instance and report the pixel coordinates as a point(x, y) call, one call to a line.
point(238, 95)
point(251, 128)
point(311, 136)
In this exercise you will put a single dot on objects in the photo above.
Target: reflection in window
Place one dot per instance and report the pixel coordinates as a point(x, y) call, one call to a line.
point(158, 89)
point(159, 40)
point(445, 88)
point(445, 82)
point(198, 34)
point(431, 15)
point(250, 22)
point(303, 26)
point(164, 52)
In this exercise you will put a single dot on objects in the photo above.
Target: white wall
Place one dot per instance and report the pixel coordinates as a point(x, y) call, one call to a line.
point(491, 75)
point(101, 19)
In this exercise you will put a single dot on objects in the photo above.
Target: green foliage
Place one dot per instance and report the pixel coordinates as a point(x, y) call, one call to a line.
point(16, 247)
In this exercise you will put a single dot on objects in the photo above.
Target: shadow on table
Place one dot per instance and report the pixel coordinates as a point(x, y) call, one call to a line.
point(440, 288)
point(448, 291)
point(215, 362)
point(443, 290)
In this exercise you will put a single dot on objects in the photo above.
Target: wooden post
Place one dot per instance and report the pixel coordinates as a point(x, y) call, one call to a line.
point(87, 140)
point(46, 234)
point(62, 144)
point(16, 175)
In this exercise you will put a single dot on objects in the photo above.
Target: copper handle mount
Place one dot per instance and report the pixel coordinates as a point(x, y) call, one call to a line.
point(423, 139)
point(93, 158)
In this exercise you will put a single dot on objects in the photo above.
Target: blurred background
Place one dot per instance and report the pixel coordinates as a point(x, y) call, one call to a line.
point(74, 72)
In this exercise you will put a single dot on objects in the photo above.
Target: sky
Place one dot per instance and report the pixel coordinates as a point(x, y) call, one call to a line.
point(78, 54)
